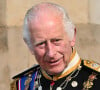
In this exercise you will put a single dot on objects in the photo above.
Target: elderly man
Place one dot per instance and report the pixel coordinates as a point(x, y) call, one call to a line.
point(50, 36)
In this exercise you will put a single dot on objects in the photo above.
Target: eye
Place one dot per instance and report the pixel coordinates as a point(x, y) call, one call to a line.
point(41, 44)
point(57, 41)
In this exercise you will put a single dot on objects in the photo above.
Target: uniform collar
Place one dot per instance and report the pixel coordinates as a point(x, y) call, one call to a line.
point(75, 62)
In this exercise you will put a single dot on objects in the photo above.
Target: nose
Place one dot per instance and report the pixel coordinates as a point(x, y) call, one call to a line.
point(51, 50)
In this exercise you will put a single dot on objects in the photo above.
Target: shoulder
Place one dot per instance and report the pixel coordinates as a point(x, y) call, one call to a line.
point(25, 73)
point(92, 74)
point(90, 64)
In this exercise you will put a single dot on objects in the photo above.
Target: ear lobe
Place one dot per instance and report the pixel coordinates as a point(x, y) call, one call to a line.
point(74, 38)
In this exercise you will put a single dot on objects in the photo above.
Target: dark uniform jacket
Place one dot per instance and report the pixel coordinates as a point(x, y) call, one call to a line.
point(87, 77)
point(84, 75)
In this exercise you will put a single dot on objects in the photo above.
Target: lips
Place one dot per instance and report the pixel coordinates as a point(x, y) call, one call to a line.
point(55, 62)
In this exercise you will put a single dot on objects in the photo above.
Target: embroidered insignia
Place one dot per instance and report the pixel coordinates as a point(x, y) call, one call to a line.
point(27, 82)
point(89, 83)
point(93, 65)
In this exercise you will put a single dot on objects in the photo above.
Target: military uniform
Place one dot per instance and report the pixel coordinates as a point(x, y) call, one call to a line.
point(79, 75)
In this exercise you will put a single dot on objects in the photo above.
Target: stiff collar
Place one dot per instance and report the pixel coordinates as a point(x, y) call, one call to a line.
point(75, 62)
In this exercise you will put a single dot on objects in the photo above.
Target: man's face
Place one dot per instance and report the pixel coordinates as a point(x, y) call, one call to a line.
point(52, 46)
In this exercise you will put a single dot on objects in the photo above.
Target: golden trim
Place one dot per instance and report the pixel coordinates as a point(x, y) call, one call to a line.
point(73, 55)
point(68, 72)
point(93, 65)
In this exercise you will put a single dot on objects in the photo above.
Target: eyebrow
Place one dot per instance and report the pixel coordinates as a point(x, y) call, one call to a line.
point(43, 41)
point(39, 42)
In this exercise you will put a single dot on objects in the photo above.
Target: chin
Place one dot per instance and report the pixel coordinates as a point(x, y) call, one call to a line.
point(56, 71)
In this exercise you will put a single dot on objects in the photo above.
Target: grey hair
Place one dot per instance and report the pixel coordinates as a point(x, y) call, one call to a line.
point(69, 26)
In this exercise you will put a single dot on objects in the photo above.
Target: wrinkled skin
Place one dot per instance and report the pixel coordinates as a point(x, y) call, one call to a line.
point(52, 46)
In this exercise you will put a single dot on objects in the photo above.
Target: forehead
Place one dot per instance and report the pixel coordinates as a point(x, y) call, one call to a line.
point(47, 32)
point(47, 26)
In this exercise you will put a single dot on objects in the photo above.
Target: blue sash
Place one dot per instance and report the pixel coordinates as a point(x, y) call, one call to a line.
point(21, 82)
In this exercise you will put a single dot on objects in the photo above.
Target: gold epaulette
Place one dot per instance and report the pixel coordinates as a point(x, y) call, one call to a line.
point(92, 65)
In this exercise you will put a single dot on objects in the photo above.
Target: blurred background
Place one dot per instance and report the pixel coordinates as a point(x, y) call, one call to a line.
point(14, 54)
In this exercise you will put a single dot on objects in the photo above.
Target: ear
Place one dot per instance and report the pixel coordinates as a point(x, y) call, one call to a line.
point(74, 38)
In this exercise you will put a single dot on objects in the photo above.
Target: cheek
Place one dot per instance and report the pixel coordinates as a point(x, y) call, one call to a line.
point(39, 53)
point(65, 49)
point(67, 52)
